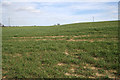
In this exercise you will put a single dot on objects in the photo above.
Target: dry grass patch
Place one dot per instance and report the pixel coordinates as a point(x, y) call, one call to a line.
point(82, 36)
point(28, 53)
point(74, 65)
point(4, 72)
point(80, 50)
point(96, 58)
point(17, 55)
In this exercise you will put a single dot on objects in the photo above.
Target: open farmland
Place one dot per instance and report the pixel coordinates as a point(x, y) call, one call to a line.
point(84, 50)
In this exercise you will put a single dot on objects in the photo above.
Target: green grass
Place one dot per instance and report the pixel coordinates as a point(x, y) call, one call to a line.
point(30, 52)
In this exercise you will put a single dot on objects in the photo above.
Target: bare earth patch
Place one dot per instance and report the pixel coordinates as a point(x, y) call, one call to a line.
point(109, 73)
point(112, 71)
point(17, 55)
point(55, 36)
point(93, 40)
point(61, 64)
point(83, 36)
point(96, 58)
point(67, 74)
point(43, 38)
point(91, 77)
point(60, 36)
point(4, 76)
point(80, 50)
point(91, 67)
point(26, 37)
point(77, 75)
point(66, 52)
point(100, 75)
point(48, 39)
point(72, 69)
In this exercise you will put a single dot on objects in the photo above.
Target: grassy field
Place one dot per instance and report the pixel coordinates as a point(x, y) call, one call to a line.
point(84, 50)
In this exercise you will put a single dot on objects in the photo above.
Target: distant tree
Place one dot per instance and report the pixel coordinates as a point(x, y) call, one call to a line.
point(3, 26)
point(58, 24)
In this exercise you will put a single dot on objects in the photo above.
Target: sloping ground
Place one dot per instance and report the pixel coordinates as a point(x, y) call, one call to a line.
point(85, 50)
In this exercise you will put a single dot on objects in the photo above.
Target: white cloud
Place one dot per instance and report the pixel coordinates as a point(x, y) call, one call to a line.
point(48, 13)
point(28, 8)
point(90, 6)
point(115, 11)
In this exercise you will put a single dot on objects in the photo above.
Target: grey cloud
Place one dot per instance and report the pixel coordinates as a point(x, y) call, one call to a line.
point(6, 4)
point(28, 8)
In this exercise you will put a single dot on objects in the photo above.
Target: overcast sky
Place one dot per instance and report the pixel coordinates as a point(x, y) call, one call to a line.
point(49, 13)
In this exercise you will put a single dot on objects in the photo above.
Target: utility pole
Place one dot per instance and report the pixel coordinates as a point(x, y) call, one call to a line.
point(9, 21)
point(93, 18)
point(0, 25)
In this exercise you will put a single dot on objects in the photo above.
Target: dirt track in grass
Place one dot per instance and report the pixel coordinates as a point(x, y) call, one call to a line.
point(75, 40)
point(65, 38)
point(60, 36)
